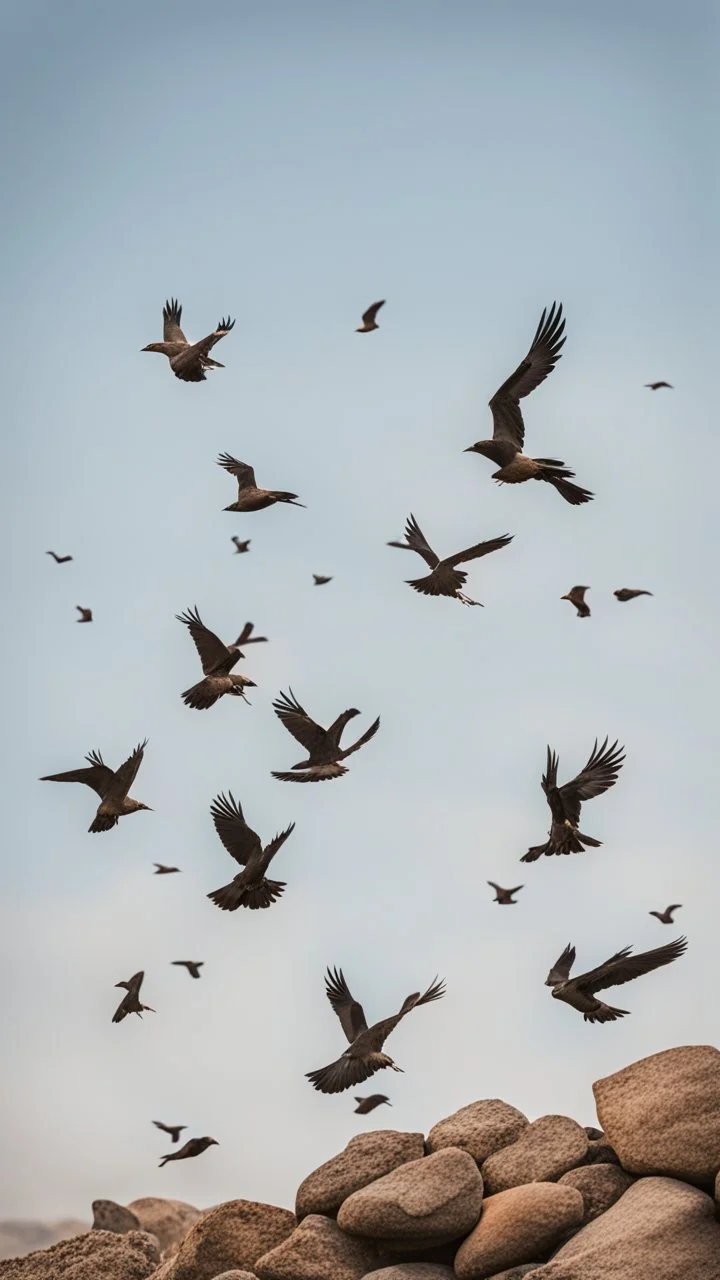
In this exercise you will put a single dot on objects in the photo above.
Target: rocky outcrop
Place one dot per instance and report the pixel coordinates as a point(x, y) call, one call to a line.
point(169, 1220)
point(318, 1248)
point(544, 1151)
point(109, 1216)
point(367, 1157)
point(600, 1185)
point(431, 1201)
point(99, 1255)
point(517, 1226)
point(481, 1128)
point(230, 1237)
point(413, 1271)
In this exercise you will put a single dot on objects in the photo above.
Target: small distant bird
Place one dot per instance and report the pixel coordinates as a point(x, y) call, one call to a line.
point(85, 614)
point(505, 448)
point(666, 916)
point(193, 1147)
point(629, 593)
point(600, 773)
point(505, 896)
point(365, 1105)
point(250, 498)
point(319, 579)
point(246, 637)
point(322, 745)
point(444, 579)
point(622, 967)
point(131, 1002)
point(112, 787)
point(250, 888)
point(655, 386)
point(368, 318)
point(162, 870)
point(58, 559)
point(193, 966)
point(241, 544)
point(188, 362)
point(173, 1129)
point(217, 660)
point(577, 597)
point(364, 1057)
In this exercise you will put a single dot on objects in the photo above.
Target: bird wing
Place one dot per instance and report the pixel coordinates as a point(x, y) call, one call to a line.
point(135, 983)
point(368, 316)
point(675, 906)
point(417, 541)
point(549, 778)
point(172, 314)
point(480, 549)
point(380, 1031)
point(126, 774)
point(276, 843)
point(238, 838)
point(348, 1010)
point(341, 1075)
point(560, 971)
point(98, 776)
point(298, 722)
point(496, 887)
point(368, 734)
point(538, 363)
point(206, 344)
point(599, 774)
point(246, 633)
point(242, 471)
point(623, 967)
point(165, 1128)
point(210, 647)
point(517, 888)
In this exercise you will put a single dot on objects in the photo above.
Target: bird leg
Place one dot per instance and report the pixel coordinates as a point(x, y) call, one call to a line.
point(468, 600)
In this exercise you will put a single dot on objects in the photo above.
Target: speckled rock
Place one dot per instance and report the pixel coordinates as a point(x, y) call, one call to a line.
point(481, 1128)
point(660, 1229)
point(516, 1273)
point(232, 1236)
point(99, 1255)
point(235, 1275)
point(317, 1250)
point(661, 1114)
point(600, 1152)
point(517, 1225)
point(109, 1216)
point(431, 1200)
point(367, 1156)
point(545, 1150)
point(600, 1185)
point(717, 1189)
point(413, 1271)
point(169, 1220)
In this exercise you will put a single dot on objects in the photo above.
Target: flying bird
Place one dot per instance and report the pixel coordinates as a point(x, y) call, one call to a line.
point(365, 1105)
point(655, 386)
point(241, 544)
point(565, 802)
point(246, 637)
point(193, 966)
point(444, 579)
point(505, 448)
point(250, 888)
point(217, 660)
point(622, 967)
point(173, 1129)
point(368, 318)
point(322, 745)
point(666, 916)
point(111, 786)
point(85, 614)
point(505, 896)
point(193, 1147)
point(319, 579)
point(364, 1056)
point(131, 1002)
point(58, 559)
point(577, 597)
point(629, 593)
point(187, 361)
point(250, 498)
point(163, 870)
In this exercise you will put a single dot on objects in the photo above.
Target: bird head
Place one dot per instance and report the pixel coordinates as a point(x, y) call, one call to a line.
point(475, 448)
point(126, 985)
point(153, 346)
point(145, 806)
point(212, 1142)
point(352, 712)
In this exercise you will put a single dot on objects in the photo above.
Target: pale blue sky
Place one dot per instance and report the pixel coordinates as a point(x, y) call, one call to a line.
point(288, 163)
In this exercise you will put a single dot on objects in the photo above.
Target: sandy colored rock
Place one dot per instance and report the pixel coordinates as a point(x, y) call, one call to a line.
point(317, 1250)
point(110, 1216)
point(19, 1236)
point(99, 1255)
point(661, 1114)
point(431, 1200)
point(481, 1128)
point(235, 1275)
point(600, 1185)
point(600, 1152)
point(517, 1225)
point(366, 1157)
point(660, 1229)
point(169, 1220)
point(413, 1271)
point(545, 1150)
point(230, 1237)
point(517, 1273)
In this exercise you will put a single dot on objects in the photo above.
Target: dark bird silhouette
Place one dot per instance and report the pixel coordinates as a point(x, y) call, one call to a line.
point(322, 745)
point(162, 870)
point(187, 361)
point(622, 967)
point(366, 1105)
point(58, 559)
point(319, 579)
point(85, 614)
point(444, 579)
point(629, 593)
point(368, 318)
point(505, 896)
point(250, 888)
point(246, 637)
point(577, 597)
point(193, 1147)
point(565, 802)
point(241, 544)
point(364, 1056)
point(656, 386)
point(218, 660)
point(131, 1002)
point(173, 1129)
point(250, 498)
point(193, 966)
point(112, 787)
point(505, 448)
point(666, 916)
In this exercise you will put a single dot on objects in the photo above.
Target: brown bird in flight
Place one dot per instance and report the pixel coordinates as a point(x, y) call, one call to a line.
point(241, 544)
point(250, 498)
point(173, 1129)
point(622, 967)
point(319, 579)
point(217, 660)
point(444, 579)
point(600, 773)
point(193, 966)
point(666, 916)
point(577, 597)
point(629, 593)
point(368, 318)
point(322, 745)
point(188, 362)
point(193, 1147)
point(58, 559)
point(131, 1002)
point(505, 448)
point(250, 888)
point(163, 870)
point(655, 386)
point(85, 614)
point(505, 896)
point(112, 787)
point(366, 1105)
point(365, 1056)
point(246, 637)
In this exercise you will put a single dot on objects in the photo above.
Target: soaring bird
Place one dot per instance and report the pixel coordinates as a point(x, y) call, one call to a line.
point(319, 579)
point(193, 966)
point(250, 888)
point(173, 1129)
point(58, 559)
point(620, 968)
point(241, 544)
point(85, 614)
point(629, 593)
point(577, 597)
point(505, 448)
point(162, 870)
point(666, 916)
point(368, 318)
point(655, 386)
point(131, 1002)
point(218, 660)
point(365, 1056)
point(193, 1147)
point(505, 896)
point(322, 745)
point(246, 637)
point(365, 1105)
point(444, 579)
point(565, 802)
point(111, 786)
point(188, 362)
point(250, 498)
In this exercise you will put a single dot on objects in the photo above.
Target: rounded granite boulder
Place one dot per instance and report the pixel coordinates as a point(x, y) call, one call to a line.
point(545, 1150)
point(169, 1220)
point(110, 1216)
point(317, 1249)
point(413, 1271)
point(600, 1185)
point(427, 1201)
point(366, 1157)
point(516, 1226)
point(99, 1255)
point(230, 1237)
point(481, 1128)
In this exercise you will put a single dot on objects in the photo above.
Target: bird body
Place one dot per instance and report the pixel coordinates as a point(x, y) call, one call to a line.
point(250, 498)
point(193, 1147)
point(369, 318)
point(173, 1129)
point(193, 966)
point(666, 916)
point(656, 386)
point(85, 614)
point(580, 992)
point(629, 593)
point(505, 896)
point(187, 361)
point(319, 579)
point(241, 544)
point(577, 597)
point(112, 787)
point(217, 661)
point(322, 745)
point(565, 802)
point(131, 1002)
point(58, 559)
point(366, 1105)
point(250, 888)
point(163, 870)
point(444, 578)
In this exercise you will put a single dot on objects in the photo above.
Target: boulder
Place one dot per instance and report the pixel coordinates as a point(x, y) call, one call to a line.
point(516, 1226)
point(109, 1216)
point(660, 1229)
point(413, 1271)
point(661, 1114)
point(545, 1150)
point(234, 1275)
point(232, 1236)
point(481, 1128)
point(600, 1185)
point(99, 1255)
point(169, 1220)
point(367, 1156)
point(516, 1273)
point(600, 1152)
point(317, 1250)
point(422, 1203)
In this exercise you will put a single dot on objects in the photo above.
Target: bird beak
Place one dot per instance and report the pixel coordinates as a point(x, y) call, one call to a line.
point(147, 806)
point(564, 597)
point(214, 1142)
point(470, 449)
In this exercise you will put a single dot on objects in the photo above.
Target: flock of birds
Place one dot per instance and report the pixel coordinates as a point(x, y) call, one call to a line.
point(325, 756)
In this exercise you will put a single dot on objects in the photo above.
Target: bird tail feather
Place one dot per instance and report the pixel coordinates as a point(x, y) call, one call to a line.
point(452, 580)
point(103, 822)
point(280, 495)
point(232, 895)
point(200, 697)
point(536, 851)
point(606, 1013)
point(559, 476)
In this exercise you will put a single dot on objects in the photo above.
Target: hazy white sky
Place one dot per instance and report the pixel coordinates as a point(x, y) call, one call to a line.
point(289, 163)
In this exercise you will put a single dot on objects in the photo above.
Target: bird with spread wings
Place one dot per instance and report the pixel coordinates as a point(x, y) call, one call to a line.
point(322, 745)
point(250, 498)
point(131, 1002)
point(187, 361)
point(250, 888)
point(600, 773)
point(620, 968)
point(444, 578)
point(218, 660)
point(112, 786)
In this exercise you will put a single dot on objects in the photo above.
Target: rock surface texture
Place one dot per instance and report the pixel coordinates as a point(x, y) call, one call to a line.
point(231, 1237)
point(413, 1271)
point(481, 1128)
point(544, 1151)
point(366, 1158)
point(600, 1185)
point(99, 1255)
point(316, 1249)
point(169, 1220)
point(432, 1200)
point(109, 1216)
point(517, 1226)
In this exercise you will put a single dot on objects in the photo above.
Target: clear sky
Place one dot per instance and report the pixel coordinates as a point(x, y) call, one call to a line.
point(288, 163)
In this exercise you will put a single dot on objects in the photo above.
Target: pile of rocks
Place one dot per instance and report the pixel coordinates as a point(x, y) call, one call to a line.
point(486, 1196)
